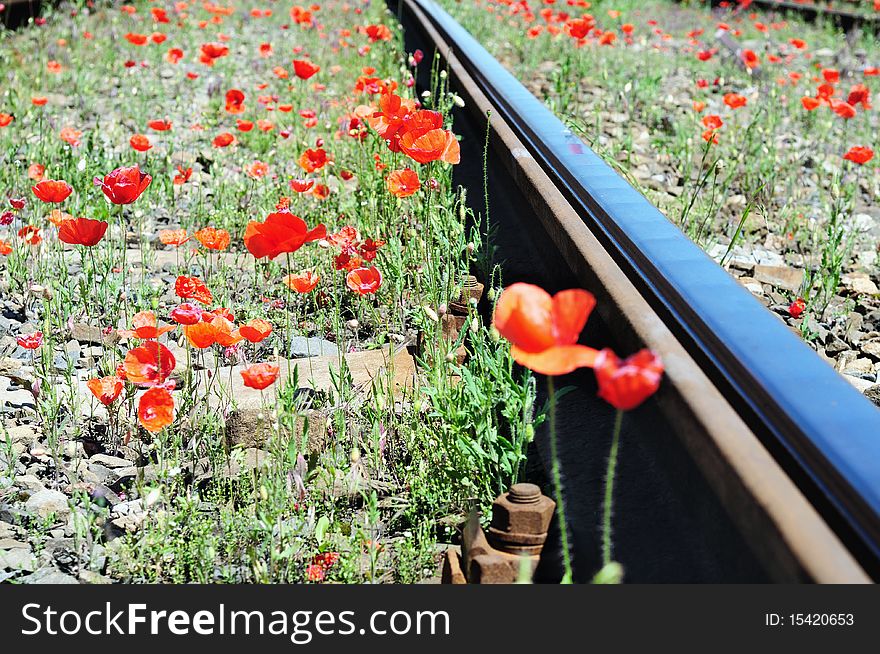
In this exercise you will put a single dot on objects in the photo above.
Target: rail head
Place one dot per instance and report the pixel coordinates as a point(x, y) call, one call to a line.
point(819, 427)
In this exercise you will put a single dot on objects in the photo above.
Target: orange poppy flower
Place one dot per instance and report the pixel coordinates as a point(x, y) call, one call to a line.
point(364, 281)
point(302, 282)
point(5, 119)
point(56, 217)
point(151, 363)
point(257, 170)
point(5, 248)
point(213, 238)
point(82, 231)
point(543, 330)
point(70, 136)
point(423, 138)
point(52, 190)
point(256, 330)
point(39, 100)
point(106, 389)
point(281, 232)
point(145, 327)
point(403, 183)
point(312, 160)
point(156, 409)
point(626, 384)
point(304, 69)
point(260, 375)
point(36, 172)
point(193, 288)
point(200, 335)
point(140, 143)
point(225, 333)
point(173, 236)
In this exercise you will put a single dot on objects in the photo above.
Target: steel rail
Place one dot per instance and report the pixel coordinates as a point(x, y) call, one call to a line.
point(823, 432)
point(844, 19)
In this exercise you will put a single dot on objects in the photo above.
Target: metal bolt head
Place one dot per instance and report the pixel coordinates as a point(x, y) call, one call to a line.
point(520, 519)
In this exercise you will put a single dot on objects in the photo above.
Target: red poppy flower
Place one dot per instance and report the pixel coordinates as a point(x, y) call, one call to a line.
point(712, 121)
point(140, 143)
point(150, 364)
point(244, 125)
point(281, 232)
point(156, 409)
point(213, 238)
point(124, 185)
point(234, 101)
point(82, 231)
point(750, 59)
point(626, 384)
point(302, 282)
point(174, 55)
point(831, 76)
point(212, 51)
point(159, 125)
point(403, 183)
point(5, 248)
point(301, 185)
point(378, 33)
point(5, 119)
point(810, 103)
point(859, 154)
point(31, 235)
point(182, 176)
point(136, 39)
point(223, 140)
point(543, 330)
point(859, 94)
point(304, 69)
point(312, 160)
point(193, 288)
point(260, 375)
point(843, 109)
point(106, 389)
point(36, 172)
point(796, 308)
point(145, 327)
point(30, 341)
point(364, 281)
point(256, 330)
point(52, 190)
point(734, 101)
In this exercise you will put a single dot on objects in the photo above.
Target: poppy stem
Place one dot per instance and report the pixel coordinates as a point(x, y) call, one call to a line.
point(557, 483)
point(609, 489)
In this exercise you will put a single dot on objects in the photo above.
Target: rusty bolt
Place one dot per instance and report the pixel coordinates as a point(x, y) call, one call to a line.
point(520, 519)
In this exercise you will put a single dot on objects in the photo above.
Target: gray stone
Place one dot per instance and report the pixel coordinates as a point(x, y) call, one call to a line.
point(49, 575)
point(300, 346)
point(18, 399)
point(47, 502)
point(17, 559)
point(110, 461)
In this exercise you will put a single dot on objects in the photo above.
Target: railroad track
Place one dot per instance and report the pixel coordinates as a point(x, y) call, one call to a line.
point(845, 19)
point(756, 461)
